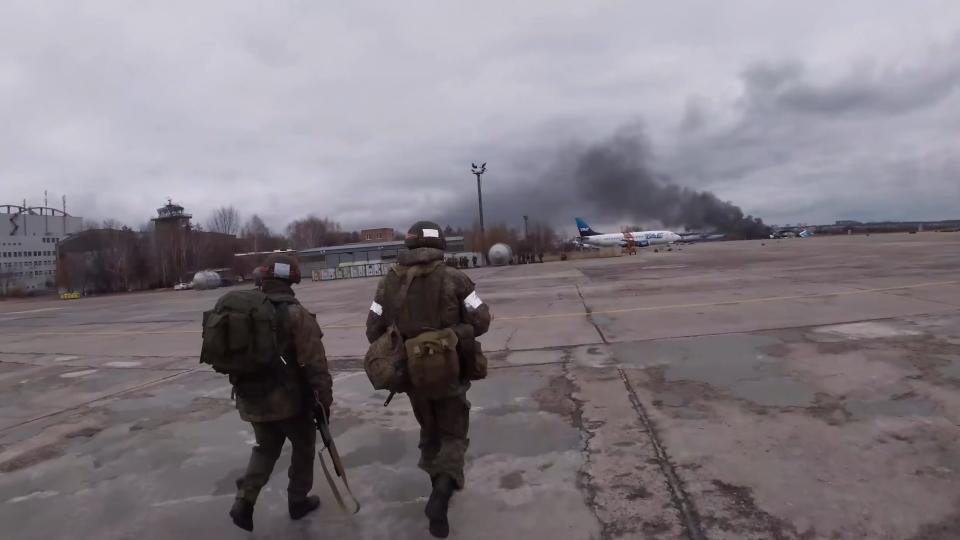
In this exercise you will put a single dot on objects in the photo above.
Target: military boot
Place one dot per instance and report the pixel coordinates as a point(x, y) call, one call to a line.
point(242, 514)
point(436, 510)
point(302, 507)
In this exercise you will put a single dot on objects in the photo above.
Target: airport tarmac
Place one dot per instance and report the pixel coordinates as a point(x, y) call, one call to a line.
point(785, 389)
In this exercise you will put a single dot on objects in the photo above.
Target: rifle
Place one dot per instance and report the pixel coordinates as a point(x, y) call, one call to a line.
point(323, 426)
point(389, 398)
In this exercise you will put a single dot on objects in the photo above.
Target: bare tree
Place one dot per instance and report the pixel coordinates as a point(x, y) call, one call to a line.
point(255, 227)
point(259, 237)
point(312, 231)
point(226, 220)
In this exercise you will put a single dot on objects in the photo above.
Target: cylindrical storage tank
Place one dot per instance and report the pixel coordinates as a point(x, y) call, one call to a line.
point(206, 279)
point(500, 254)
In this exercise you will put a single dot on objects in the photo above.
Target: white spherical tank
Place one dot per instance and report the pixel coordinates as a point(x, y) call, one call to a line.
point(500, 254)
point(206, 279)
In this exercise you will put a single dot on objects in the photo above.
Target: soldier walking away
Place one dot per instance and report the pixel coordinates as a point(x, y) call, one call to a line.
point(272, 349)
point(474, 261)
point(437, 312)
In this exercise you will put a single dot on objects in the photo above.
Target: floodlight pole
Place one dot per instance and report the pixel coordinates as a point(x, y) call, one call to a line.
point(478, 172)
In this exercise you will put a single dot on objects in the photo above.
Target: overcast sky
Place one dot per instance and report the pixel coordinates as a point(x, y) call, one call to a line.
point(371, 113)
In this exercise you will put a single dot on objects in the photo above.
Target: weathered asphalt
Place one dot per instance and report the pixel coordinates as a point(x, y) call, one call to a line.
point(802, 388)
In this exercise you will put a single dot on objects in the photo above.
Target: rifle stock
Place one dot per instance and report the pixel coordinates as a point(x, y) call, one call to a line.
point(323, 426)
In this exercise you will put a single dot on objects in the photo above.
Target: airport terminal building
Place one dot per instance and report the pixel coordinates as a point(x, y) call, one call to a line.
point(29, 238)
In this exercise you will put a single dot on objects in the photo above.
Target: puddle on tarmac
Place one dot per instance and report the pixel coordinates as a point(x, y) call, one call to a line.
point(867, 330)
point(387, 447)
point(862, 410)
point(522, 434)
point(951, 370)
point(733, 364)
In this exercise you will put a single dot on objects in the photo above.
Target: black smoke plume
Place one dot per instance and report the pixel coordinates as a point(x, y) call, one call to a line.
point(610, 180)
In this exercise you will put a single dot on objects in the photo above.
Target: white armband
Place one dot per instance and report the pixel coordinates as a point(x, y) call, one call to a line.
point(376, 308)
point(473, 301)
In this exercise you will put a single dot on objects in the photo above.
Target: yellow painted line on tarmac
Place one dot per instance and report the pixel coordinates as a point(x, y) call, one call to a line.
point(38, 310)
point(564, 315)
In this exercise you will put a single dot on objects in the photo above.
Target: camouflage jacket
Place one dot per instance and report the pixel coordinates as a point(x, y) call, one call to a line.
point(291, 391)
point(443, 298)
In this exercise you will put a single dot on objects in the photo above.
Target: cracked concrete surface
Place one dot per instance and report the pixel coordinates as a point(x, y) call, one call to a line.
point(795, 389)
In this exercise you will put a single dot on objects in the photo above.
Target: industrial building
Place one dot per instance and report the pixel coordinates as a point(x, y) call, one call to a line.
point(29, 238)
point(377, 235)
point(361, 254)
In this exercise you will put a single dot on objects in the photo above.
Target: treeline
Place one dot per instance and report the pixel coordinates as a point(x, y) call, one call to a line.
point(539, 237)
point(111, 257)
point(308, 232)
point(104, 259)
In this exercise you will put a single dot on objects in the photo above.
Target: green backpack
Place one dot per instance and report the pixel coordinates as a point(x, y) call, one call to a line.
point(240, 334)
point(429, 362)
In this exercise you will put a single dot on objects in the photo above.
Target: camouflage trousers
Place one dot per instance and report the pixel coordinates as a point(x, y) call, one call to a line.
point(270, 438)
point(444, 424)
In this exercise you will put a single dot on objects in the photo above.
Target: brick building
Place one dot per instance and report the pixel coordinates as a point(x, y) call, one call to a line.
point(377, 235)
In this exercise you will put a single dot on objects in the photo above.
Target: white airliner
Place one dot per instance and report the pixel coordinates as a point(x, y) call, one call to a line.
point(591, 237)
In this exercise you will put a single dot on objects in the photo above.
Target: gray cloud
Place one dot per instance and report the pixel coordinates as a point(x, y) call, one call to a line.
point(866, 89)
point(371, 114)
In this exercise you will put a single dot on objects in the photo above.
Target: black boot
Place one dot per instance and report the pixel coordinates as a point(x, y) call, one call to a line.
point(242, 514)
point(300, 508)
point(436, 511)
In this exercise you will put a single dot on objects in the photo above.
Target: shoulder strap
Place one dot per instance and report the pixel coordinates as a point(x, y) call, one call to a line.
point(408, 277)
point(282, 316)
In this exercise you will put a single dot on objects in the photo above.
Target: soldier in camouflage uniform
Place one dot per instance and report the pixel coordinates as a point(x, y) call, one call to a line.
point(284, 406)
point(442, 297)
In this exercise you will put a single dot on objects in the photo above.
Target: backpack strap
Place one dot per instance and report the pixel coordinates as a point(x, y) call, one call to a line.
point(408, 276)
point(280, 320)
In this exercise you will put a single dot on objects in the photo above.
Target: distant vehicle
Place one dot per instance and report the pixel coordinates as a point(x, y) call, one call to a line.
point(589, 236)
point(182, 286)
point(805, 233)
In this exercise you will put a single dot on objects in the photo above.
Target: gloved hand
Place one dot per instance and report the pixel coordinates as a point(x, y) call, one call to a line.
point(320, 410)
point(323, 411)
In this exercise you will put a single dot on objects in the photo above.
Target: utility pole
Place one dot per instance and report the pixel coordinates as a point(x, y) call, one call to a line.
point(478, 172)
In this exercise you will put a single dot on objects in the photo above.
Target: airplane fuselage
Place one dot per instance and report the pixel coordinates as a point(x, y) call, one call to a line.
point(641, 239)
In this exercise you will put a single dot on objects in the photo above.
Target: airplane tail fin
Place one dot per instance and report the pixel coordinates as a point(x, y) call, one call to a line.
point(585, 229)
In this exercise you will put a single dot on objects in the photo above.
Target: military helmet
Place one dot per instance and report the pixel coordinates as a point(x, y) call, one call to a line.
point(425, 234)
point(280, 266)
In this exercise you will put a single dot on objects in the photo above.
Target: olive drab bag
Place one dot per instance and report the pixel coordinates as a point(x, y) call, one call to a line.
point(477, 370)
point(384, 360)
point(432, 360)
point(240, 334)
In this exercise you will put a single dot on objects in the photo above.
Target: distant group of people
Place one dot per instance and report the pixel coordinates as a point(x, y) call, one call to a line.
point(528, 258)
point(462, 262)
